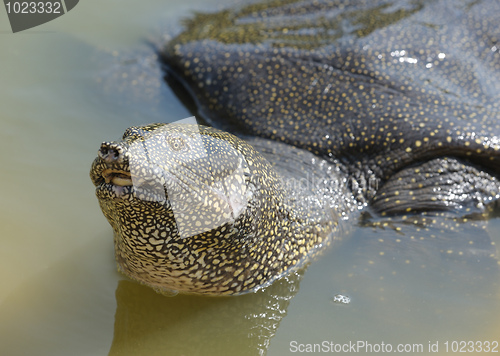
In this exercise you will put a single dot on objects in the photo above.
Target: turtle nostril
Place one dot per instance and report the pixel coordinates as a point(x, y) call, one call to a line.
point(109, 152)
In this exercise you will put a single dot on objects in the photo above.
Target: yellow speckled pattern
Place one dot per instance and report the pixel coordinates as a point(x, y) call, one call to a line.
point(378, 84)
point(393, 104)
point(276, 229)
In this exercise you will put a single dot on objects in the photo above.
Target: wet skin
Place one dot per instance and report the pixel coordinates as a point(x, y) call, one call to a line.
point(396, 107)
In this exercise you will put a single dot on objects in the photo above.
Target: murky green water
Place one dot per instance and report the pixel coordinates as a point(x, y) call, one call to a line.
point(85, 77)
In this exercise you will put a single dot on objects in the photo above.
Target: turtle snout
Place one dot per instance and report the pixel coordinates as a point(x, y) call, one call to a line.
point(110, 152)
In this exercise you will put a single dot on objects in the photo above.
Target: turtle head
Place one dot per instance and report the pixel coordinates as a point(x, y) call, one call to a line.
point(192, 209)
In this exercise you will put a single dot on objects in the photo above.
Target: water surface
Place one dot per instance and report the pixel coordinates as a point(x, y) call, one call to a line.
point(70, 84)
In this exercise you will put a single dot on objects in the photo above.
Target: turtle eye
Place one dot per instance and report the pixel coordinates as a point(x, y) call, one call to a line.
point(176, 143)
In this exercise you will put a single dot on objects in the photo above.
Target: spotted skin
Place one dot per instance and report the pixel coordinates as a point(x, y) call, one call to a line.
point(424, 84)
point(392, 105)
point(277, 228)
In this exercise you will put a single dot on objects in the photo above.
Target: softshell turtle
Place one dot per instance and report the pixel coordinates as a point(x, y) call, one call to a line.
point(332, 106)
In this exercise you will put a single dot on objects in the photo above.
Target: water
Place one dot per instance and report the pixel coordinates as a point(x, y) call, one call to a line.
point(85, 77)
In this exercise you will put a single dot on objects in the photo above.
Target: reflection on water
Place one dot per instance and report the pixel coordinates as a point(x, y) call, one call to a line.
point(60, 293)
point(147, 323)
point(409, 294)
point(402, 291)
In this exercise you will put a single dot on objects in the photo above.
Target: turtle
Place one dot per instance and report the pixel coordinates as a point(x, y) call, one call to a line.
point(318, 110)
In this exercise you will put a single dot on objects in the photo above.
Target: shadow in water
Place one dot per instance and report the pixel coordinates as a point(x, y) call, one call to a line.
point(147, 323)
point(410, 281)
